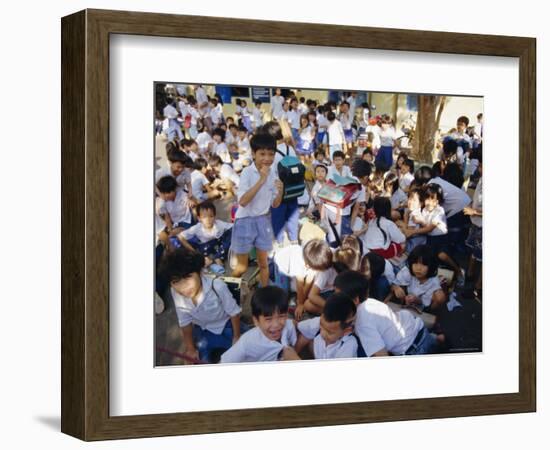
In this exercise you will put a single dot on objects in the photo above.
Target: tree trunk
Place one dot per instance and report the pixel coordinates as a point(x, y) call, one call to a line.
point(426, 127)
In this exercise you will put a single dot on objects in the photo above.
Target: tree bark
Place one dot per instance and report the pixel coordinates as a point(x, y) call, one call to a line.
point(426, 127)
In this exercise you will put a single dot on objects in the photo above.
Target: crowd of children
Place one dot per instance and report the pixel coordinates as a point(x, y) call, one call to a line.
point(391, 225)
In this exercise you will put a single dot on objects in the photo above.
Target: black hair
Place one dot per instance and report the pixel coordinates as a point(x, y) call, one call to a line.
point(215, 161)
point(480, 115)
point(268, 300)
point(214, 101)
point(453, 174)
point(318, 152)
point(437, 168)
point(219, 132)
point(361, 168)
point(257, 101)
point(344, 103)
point(232, 125)
point(340, 308)
point(450, 147)
point(331, 116)
point(181, 157)
point(274, 129)
point(464, 120)
point(303, 99)
point(423, 254)
point(423, 175)
point(170, 147)
point(207, 205)
point(367, 151)
point(354, 284)
point(167, 184)
point(200, 163)
point(338, 154)
point(263, 141)
point(373, 266)
point(434, 190)
point(180, 263)
point(382, 208)
point(242, 128)
point(409, 163)
point(391, 180)
point(317, 254)
point(185, 142)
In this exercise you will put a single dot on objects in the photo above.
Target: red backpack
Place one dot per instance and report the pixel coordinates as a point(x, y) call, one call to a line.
point(340, 193)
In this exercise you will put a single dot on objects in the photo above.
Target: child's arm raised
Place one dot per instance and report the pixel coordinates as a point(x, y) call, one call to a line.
point(249, 195)
point(280, 191)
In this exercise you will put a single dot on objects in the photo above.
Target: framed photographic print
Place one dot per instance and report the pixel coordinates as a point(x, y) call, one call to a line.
point(273, 225)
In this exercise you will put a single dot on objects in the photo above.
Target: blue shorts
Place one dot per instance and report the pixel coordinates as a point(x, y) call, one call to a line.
point(252, 232)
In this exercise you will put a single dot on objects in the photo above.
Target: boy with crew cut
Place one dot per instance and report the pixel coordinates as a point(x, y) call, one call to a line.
point(259, 190)
point(274, 335)
point(173, 206)
point(331, 334)
point(381, 331)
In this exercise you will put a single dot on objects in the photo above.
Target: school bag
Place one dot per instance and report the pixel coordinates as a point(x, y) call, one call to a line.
point(187, 121)
point(292, 173)
point(338, 191)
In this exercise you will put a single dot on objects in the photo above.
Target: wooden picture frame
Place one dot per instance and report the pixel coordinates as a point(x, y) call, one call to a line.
point(85, 224)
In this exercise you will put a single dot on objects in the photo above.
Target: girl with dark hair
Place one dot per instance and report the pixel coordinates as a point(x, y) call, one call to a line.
point(383, 236)
point(417, 283)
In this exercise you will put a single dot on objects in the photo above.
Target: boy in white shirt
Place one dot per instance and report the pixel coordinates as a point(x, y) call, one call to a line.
point(208, 315)
point(210, 237)
point(293, 117)
point(381, 331)
point(200, 184)
point(277, 102)
point(179, 167)
point(257, 115)
point(259, 190)
point(174, 207)
point(338, 167)
point(336, 138)
point(274, 335)
point(174, 126)
point(228, 180)
point(331, 334)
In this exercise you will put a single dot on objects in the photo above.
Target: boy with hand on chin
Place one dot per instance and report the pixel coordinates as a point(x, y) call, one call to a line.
point(259, 190)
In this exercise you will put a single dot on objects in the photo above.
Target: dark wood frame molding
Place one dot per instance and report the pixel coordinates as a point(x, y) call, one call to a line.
point(85, 223)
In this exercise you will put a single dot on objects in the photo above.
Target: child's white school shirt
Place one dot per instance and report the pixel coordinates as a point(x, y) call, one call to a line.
point(388, 272)
point(398, 198)
point(200, 95)
point(307, 134)
point(254, 346)
point(183, 178)
point(215, 305)
point(261, 203)
point(198, 181)
point(170, 112)
point(222, 151)
point(374, 239)
point(277, 102)
point(324, 280)
point(345, 120)
point(178, 209)
point(216, 114)
point(294, 118)
point(257, 115)
point(387, 137)
point(477, 203)
point(378, 327)
point(358, 224)
point(302, 108)
point(345, 347)
point(424, 291)
point(332, 170)
point(229, 138)
point(435, 217)
point(203, 139)
point(454, 199)
point(244, 144)
point(405, 181)
point(228, 173)
point(335, 133)
point(195, 115)
point(323, 122)
point(204, 235)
